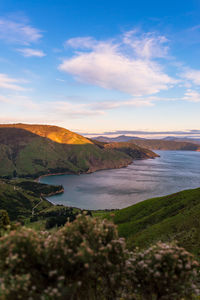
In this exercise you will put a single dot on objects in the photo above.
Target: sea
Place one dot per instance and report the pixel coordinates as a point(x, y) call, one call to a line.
point(173, 171)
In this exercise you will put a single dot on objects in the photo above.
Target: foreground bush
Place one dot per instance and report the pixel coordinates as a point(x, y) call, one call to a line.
point(83, 260)
point(164, 271)
point(87, 260)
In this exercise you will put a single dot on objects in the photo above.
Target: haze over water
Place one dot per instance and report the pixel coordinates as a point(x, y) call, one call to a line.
point(173, 171)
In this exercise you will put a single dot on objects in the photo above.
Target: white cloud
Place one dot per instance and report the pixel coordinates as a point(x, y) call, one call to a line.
point(81, 42)
point(112, 70)
point(192, 75)
point(192, 96)
point(113, 65)
point(10, 83)
point(28, 52)
point(147, 45)
point(18, 32)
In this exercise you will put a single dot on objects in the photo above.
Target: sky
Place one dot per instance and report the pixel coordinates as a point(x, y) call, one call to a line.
point(98, 67)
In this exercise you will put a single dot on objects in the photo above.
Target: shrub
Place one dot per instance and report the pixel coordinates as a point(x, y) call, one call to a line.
point(4, 219)
point(86, 260)
point(83, 260)
point(164, 271)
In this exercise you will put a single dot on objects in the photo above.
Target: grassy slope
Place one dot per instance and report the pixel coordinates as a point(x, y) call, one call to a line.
point(19, 197)
point(36, 150)
point(165, 145)
point(173, 217)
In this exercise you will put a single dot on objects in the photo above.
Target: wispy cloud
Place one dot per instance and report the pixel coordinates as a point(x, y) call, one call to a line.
point(192, 96)
point(192, 75)
point(29, 52)
point(114, 65)
point(145, 132)
point(81, 43)
point(18, 32)
point(7, 82)
point(147, 45)
point(19, 101)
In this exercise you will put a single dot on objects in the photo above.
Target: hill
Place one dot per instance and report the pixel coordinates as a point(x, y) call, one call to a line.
point(19, 197)
point(168, 218)
point(183, 139)
point(33, 150)
point(165, 145)
point(168, 143)
point(54, 133)
point(132, 150)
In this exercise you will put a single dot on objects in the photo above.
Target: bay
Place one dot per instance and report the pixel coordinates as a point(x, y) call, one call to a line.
point(173, 171)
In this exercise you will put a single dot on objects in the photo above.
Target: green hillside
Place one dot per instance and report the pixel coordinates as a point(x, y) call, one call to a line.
point(19, 197)
point(34, 150)
point(25, 201)
point(173, 217)
point(29, 153)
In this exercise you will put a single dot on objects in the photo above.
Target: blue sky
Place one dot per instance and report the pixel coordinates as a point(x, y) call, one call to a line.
point(101, 66)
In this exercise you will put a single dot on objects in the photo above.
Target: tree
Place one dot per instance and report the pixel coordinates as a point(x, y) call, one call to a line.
point(4, 219)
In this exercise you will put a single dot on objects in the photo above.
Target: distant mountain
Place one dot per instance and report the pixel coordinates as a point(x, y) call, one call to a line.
point(165, 145)
point(34, 150)
point(183, 139)
point(168, 143)
point(120, 138)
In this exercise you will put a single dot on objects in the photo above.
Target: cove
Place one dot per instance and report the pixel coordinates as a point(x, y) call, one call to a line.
point(173, 171)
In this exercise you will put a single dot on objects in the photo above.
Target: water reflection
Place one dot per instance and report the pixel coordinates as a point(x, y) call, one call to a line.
point(172, 172)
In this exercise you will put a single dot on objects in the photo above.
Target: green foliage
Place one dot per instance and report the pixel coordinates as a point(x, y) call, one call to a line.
point(4, 219)
point(59, 217)
point(38, 188)
point(19, 202)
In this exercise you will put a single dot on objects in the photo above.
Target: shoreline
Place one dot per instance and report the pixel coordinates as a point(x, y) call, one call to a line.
point(81, 173)
point(92, 171)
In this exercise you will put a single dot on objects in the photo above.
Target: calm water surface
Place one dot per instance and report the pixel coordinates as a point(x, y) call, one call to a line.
point(171, 172)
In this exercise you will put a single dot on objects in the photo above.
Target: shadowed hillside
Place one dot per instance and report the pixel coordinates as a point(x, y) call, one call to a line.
point(132, 150)
point(165, 145)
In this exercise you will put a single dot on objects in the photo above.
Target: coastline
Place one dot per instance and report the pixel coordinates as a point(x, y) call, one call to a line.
point(93, 170)
point(88, 172)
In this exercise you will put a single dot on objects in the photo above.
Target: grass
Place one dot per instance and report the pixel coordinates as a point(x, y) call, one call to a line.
point(172, 217)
